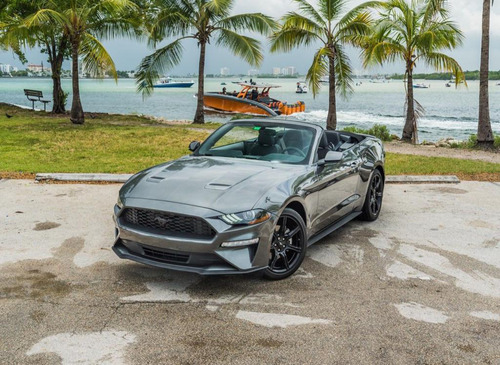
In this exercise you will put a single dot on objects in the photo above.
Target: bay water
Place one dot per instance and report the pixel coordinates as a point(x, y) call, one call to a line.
point(449, 112)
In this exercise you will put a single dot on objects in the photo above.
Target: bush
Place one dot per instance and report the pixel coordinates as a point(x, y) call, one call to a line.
point(378, 130)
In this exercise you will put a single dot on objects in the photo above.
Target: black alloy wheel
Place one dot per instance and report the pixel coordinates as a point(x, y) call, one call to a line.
point(374, 196)
point(288, 246)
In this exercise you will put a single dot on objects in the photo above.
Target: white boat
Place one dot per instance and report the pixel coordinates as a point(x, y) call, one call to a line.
point(168, 82)
point(421, 86)
point(301, 88)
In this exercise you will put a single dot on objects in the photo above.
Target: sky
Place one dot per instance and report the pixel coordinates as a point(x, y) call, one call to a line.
point(127, 54)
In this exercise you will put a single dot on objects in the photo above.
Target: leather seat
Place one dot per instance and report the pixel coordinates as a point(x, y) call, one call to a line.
point(266, 143)
point(323, 147)
point(293, 138)
point(333, 140)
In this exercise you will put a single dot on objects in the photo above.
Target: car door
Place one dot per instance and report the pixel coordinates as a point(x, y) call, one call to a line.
point(336, 184)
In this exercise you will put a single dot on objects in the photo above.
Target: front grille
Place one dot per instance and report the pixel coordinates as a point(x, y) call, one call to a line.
point(168, 223)
point(165, 256)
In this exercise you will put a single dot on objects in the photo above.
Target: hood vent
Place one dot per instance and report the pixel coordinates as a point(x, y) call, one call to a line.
point(217, 186)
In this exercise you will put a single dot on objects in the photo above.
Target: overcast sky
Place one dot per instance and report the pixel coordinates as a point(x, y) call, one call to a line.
point(128, 53)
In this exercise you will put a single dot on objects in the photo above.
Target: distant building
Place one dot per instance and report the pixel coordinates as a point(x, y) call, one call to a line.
point(288, 71)
point(34, 68)
point(252, 72)
point(284, 71)
point(5, 68)
point(224, 71)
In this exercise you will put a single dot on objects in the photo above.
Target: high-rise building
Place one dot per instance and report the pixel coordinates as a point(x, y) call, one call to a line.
point(252, 72)
point(276, 71)
point(224, 71)
point(5, 68)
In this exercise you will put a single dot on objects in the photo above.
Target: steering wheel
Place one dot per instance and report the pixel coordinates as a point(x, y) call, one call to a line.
point(295, 149)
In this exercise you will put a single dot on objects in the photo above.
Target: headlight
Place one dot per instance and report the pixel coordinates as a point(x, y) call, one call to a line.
point(119, 202)
point(248, 218)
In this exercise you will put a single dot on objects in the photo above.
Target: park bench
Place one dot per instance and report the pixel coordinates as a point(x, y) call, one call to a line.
point(36, 95)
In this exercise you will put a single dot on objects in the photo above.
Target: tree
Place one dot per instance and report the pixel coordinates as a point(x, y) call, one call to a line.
point(203, 21)
point(81, 23)
point(484, 132)
point(15, 36)
point(328, 25)
point(415, 31)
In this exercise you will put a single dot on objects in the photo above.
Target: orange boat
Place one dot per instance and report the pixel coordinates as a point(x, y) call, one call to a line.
point(252, 99)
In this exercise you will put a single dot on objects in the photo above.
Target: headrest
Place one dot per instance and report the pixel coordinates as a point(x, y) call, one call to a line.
point(323, 142)
point(267, 137)
point(333, 137)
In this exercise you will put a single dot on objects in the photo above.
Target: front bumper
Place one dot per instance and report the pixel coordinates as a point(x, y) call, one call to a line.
point(202, 256)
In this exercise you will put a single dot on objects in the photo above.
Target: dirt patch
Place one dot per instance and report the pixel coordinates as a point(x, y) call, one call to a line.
point(491, 243)
point(35, 285)
point(449, 190)
point(269, 343)
point(463, 154)
point(44, 226)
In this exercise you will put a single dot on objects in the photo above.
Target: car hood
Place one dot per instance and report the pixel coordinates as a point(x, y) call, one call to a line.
point(222, 184)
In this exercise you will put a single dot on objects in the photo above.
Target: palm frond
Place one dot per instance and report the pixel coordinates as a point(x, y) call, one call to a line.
point(356, 30)
point(153, 66)
point(169, 22)
point(319, 68)
point(44, 17)
point(331, 9)
point(219, 7)
point(253, 22)
point(287, 39)
point(96, 59)
point(343, 72)
point(441, 62)
point(245, 47)
point(309, 10)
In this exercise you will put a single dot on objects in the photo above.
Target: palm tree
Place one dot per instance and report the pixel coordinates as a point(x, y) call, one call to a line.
point(82, 23)
point(203, 21)
point(484, 131)
point(15, 35)
point(414, 31)
point(329, 25)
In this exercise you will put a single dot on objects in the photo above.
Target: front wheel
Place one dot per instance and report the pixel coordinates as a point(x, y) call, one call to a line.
point(288, 246)
point(374, 195)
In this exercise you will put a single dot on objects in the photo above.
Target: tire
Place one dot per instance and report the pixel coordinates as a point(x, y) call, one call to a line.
point(288, 247)
point(374, 196)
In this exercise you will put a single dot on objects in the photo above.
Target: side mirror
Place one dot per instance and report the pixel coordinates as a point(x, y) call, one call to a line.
point(193, 146)
point(333, 156)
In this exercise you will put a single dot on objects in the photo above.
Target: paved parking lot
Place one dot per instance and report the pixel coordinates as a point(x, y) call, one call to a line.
point(419, 286)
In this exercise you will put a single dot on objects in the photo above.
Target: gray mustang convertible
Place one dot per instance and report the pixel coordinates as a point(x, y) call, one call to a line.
point(252, 197)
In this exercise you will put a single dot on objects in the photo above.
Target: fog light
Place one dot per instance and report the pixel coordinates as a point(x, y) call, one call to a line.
point(240, 243)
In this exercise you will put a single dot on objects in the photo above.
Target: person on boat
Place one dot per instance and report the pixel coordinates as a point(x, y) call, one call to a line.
point(224, 90)
point(255, 94)
point(299, 88)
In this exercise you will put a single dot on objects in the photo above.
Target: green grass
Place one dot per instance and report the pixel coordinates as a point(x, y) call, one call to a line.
point(32, 142)
point(398, 164)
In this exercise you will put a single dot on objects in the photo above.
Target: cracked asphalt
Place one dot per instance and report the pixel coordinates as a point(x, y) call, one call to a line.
point(419, 286)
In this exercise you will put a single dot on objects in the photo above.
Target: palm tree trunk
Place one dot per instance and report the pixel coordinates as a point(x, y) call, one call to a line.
point(331, 119)
point(199, 117)
point(77, 116)
point(410, 123)
point(484, 132)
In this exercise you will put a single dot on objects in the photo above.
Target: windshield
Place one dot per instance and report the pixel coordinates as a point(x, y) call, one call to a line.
point(277, 143)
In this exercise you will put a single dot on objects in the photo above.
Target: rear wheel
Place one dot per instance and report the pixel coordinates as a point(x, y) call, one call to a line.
point(374, 195)
point(288, 247)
